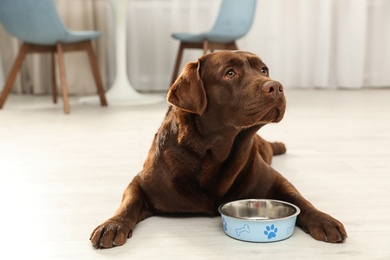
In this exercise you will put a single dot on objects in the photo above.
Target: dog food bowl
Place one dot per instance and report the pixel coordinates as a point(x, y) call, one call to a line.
point(256, 220)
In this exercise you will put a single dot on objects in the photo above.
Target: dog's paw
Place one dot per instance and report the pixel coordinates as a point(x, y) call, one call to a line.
point(323, 227)
point(111, 233)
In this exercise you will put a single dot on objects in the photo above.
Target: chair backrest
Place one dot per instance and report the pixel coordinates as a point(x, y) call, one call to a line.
point(32, 21)
point(235, 18)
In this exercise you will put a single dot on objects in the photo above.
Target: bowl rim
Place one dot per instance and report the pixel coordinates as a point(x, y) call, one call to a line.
point(297, 212)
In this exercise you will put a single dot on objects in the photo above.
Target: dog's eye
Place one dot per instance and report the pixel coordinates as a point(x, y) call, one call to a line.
point(230, 74)
point(264, 71)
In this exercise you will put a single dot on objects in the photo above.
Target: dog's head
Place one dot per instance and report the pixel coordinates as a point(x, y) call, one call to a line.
point(232, 87)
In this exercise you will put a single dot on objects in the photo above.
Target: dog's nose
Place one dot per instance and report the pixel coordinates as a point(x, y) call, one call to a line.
point(272, 88)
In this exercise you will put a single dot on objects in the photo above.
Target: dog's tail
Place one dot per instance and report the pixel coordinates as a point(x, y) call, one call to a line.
point(278, 148)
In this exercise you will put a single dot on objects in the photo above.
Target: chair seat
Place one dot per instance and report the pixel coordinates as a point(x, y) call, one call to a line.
point(79, 36)
point(37, 22)
point(199, 38)
point(65, 38)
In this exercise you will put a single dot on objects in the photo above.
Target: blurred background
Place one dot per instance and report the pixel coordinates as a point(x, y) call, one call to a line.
point(305, 43)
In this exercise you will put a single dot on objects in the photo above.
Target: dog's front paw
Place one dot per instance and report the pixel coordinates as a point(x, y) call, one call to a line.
point(113, 232)
point(323, 227)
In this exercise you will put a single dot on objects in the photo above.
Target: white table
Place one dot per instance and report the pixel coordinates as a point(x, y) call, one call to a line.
point(121, 92)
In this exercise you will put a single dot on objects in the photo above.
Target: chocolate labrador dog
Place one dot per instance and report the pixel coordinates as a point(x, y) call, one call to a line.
point(207, 151)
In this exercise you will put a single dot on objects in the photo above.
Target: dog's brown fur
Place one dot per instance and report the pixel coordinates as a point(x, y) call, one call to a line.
point(207, 152)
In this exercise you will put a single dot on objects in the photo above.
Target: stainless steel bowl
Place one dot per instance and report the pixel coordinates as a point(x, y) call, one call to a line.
point(257, 220)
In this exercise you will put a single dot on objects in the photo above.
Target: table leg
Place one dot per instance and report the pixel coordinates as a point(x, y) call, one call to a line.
point(121, 92)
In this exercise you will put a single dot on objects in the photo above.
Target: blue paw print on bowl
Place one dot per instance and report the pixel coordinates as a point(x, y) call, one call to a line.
point(270, 231)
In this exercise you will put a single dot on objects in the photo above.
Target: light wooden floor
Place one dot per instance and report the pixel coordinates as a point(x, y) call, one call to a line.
point(61, 175)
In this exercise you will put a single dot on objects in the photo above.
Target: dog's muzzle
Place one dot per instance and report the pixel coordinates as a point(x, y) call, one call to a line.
point(273, 88)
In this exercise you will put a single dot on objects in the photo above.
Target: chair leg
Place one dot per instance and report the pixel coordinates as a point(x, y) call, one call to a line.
point(177, 63)
point(96, 74)
point(61, 65)
point(234, 46)
point(205, 46)
point(53, 77)
point(12, 74)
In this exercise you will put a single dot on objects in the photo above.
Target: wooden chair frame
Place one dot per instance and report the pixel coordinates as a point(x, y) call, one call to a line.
point(58, 49)
point(205, 45)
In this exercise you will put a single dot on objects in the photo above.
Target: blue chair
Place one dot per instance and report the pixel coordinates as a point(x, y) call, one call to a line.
point(39, 27)
point(234, 20)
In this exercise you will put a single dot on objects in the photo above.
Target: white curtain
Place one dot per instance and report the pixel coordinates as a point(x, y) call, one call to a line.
point(305, 43)
point(377, 56)
point(152, 51)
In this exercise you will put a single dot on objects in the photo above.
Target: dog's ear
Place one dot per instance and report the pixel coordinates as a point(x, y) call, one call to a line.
point(188, 92)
